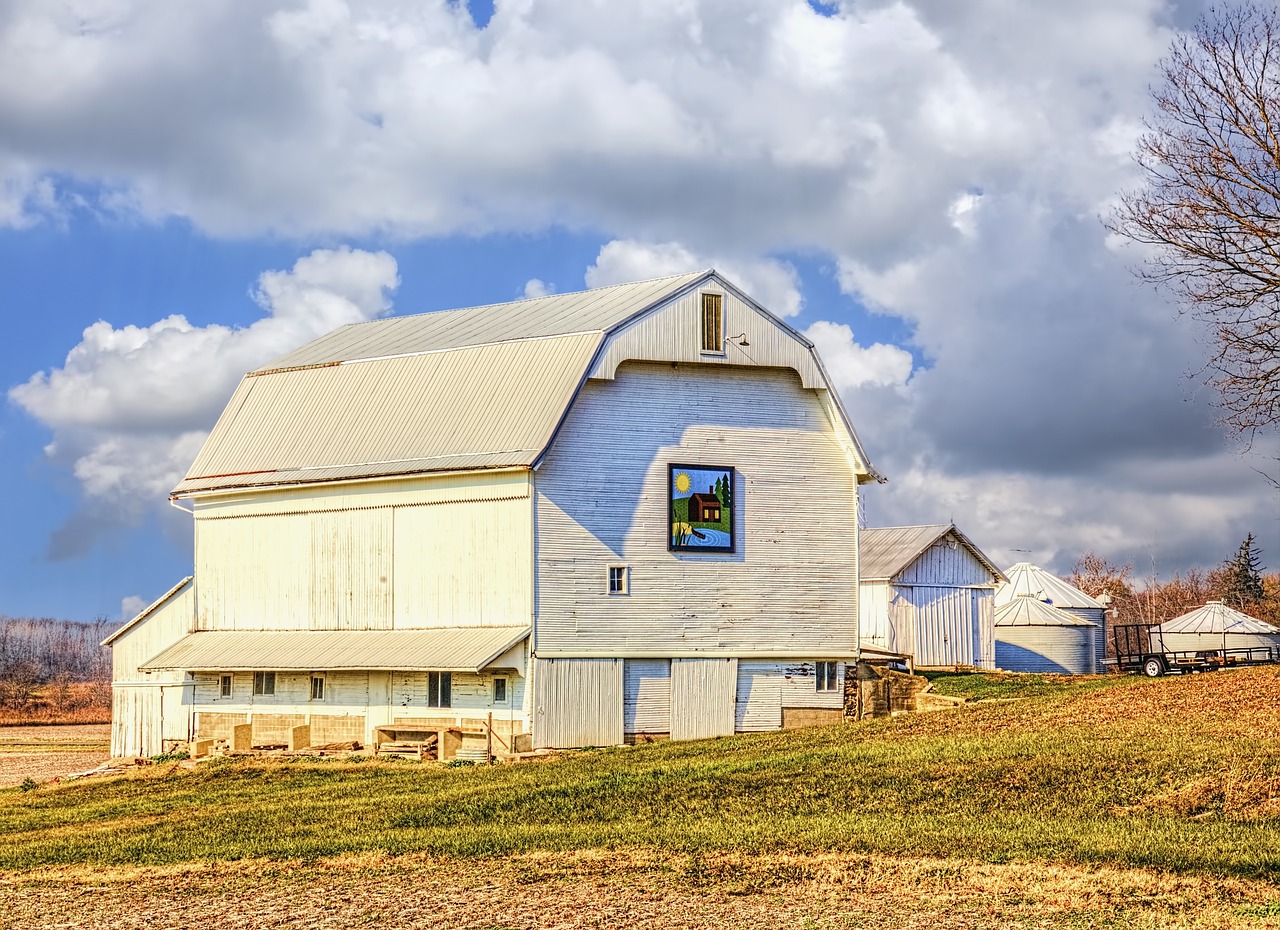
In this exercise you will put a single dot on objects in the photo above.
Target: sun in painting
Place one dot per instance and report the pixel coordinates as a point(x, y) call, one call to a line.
point(682, 483)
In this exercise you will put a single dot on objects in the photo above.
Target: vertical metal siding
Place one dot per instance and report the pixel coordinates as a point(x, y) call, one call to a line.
point(942, 625)
point(143, 714)
point(578, 702)
point(789, 587)
point(646, 696)
point(351, 579)
point(1046, 649)
point(1096, 615)
point(984, 613)
point(703, 697)
point(945, 564)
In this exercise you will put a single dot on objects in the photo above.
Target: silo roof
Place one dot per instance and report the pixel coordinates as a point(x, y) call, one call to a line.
point(1216, 617)
point(1029, 610)
point(1027, 579)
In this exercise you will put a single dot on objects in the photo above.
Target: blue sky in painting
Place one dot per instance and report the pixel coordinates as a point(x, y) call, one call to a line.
point(186, 192)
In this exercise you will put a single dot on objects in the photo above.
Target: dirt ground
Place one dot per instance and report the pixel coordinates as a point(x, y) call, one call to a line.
point(619, 889)
point(43, 753)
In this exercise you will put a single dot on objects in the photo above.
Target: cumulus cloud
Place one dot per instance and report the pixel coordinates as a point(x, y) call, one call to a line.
point(772, 283)
point(130, 407)
point(948, 161)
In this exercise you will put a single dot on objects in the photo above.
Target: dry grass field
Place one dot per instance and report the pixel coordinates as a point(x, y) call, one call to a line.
point(42, 753)
point(1059, 804)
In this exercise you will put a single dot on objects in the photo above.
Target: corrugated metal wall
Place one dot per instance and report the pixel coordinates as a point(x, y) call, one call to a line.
point(946, 562)
point(646, 696)
point(1065, 650)
point(420, 561)
point(938, 622)
point(577, 702)
point(789, 588)
point(764, 688)
point(148, 708)
point(1098, 616)
point(702, 697)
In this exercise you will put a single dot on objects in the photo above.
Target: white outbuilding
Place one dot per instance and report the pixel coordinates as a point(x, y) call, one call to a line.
point(1034, 636)
point(574, 520)
point(926, 592)
point(1027, 579)
point(1215, 626)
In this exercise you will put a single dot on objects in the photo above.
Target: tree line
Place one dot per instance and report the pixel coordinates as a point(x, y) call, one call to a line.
point(38, 653)
point(1240, 581)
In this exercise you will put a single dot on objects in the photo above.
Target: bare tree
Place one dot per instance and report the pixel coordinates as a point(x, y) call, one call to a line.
point(1211, 203)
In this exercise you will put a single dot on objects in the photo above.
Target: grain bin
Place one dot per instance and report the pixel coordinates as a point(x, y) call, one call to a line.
point(1215, 626)
point(1033, 636)
point(1025, 578)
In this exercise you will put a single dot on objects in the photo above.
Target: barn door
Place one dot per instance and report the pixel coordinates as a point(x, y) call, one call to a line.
point(646, 696)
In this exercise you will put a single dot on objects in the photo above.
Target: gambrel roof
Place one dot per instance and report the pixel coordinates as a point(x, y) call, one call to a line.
point(477, 388)
point(884, 551)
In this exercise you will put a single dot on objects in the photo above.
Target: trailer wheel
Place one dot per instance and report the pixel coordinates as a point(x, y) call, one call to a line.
point(1153, 667)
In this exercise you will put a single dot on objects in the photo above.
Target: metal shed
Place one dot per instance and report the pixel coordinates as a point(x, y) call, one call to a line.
point(1033, 636)
point(1217, 626)
point(1025, 578)
point(926, 592)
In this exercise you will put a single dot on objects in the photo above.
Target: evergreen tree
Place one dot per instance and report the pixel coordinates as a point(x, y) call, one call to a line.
point(1242, 575)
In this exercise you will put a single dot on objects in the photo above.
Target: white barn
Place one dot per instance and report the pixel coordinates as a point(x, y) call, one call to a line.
point(500, 510)
point(926, 592)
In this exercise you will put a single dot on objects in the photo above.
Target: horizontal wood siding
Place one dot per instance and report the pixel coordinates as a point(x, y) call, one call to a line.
point(674, 334)
point(942, 564)
point(764, 688)
point(788, 589)
point(410, 559)
point(471, 694)
point(646, 696)
point(578, 702)
point(703, 692)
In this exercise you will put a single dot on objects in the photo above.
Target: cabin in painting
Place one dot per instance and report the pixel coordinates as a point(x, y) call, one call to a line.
point(432, 519)
point(927, 593)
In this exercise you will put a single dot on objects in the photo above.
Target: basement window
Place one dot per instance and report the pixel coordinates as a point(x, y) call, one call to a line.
point(439, 689)
point(827, 676)
point(224, 686)
point(317, 687)
point(499, 691)
point(618, 580)
point(264, 683)
point(712, 323)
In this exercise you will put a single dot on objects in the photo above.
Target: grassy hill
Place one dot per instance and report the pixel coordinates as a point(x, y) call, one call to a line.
point(1177, 776)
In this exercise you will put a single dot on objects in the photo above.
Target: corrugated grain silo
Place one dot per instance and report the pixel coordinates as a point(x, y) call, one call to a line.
point(1216, 626)
point(1033, 636)
point(1028, 579)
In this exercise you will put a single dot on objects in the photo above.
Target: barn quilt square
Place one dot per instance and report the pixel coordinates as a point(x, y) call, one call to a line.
point(701, 508)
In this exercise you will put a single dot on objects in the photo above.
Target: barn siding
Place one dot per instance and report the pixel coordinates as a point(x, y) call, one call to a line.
point(673, 334)
point(702, 697)
point(578, 702)
point(410, 560)
point(764, 688)
point(148, 708)
point(646, 696)
point(946, 562)
point(788, 589)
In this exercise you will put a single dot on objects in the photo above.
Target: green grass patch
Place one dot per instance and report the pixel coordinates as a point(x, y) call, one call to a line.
point(1089, 772)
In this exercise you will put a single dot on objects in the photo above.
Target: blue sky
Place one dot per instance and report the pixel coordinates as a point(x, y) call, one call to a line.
point(917, 186)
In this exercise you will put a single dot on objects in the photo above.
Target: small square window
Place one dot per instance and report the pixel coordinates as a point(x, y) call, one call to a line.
point(712, 323)
point(827, 676)
point(317, 687)
point(264, 683)
point(439, 689)
point(224, 686)
point(499, 691)
point(618, 579)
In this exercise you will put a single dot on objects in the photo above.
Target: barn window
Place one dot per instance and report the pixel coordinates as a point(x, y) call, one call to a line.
point(439, 689)
point(712, 323)
point(827, 676)
point(499, 691)
point(224, 686)
point(317, 687)
point(264, 683)
point(618, 579)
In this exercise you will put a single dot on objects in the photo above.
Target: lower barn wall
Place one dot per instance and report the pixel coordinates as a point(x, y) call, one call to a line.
point(146, 716)
point(584, 702)
point(354, 704)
